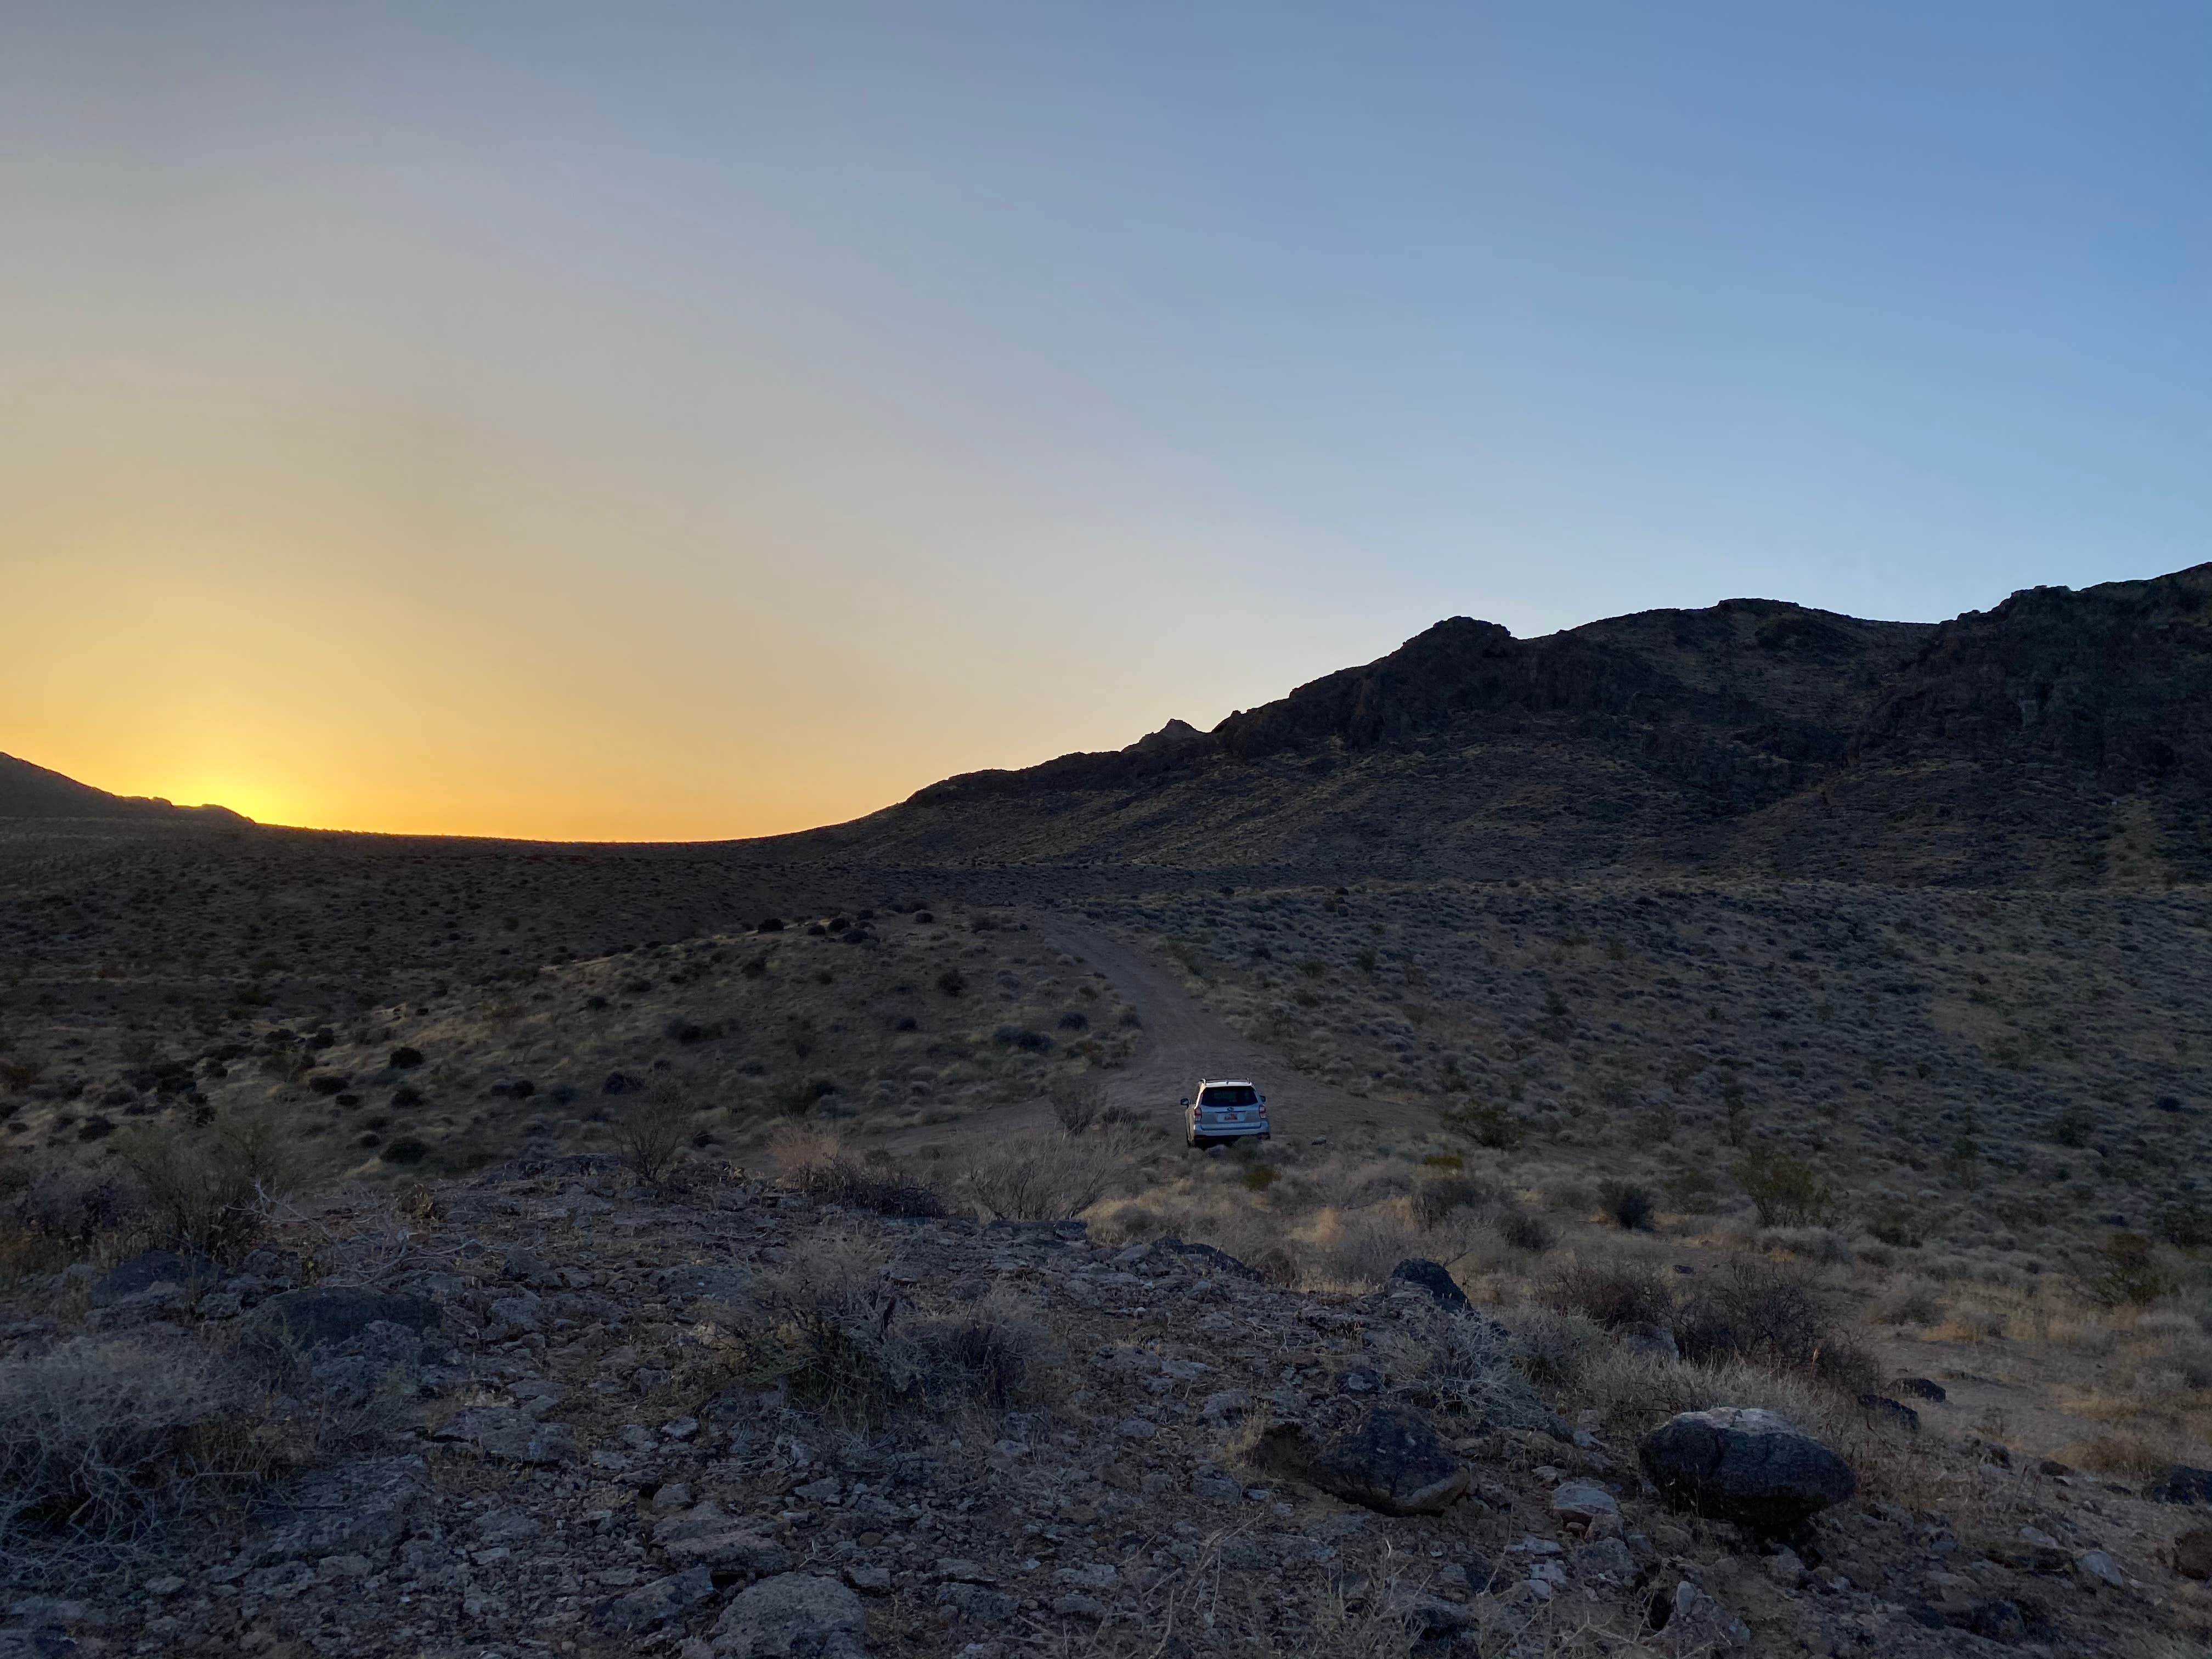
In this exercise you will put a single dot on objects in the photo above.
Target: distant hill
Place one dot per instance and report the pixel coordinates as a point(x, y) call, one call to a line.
point(33, 791)
point(2061, 737)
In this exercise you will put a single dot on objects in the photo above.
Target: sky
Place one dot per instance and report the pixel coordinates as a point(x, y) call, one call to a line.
point(676, 421)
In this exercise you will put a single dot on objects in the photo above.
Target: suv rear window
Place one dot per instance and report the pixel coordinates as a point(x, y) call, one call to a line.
point(1242, 1095)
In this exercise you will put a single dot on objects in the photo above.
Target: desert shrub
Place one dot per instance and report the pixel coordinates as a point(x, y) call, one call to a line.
point(1690, 1190)
point(1021, 1037)
point(1914, 1301)
point(1490, 1125)
point(1897, 1226)
point(208, 1191)
point(104, 1441)
point(1258, 1177)
point(1361, 1248)
point(1618, 1295)
point(1818, 1244)
point(406, 1151)
point(1076, 1102)
point(1524, 1229)
point(1771, 1314)
point(833, 1331)
point(1074, 1020)
point(402, 1058)
point(1554, 1349)
point(649, 1131)
point(1452, 1163)
point(1627, 1205)
point(2129, 1272)
point(2073, 1126)
point(65, 1204)
point(818, 1165)
point(1786, 1191)
point(2186, 1225)
point(952, 983)
point(1437, 1196)
point(1039, 1178)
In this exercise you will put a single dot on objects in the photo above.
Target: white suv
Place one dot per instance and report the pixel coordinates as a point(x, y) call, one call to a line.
point(1227, 1109)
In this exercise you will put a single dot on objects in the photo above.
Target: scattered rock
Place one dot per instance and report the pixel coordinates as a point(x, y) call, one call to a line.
point(652, 1604)
point(705, 1536)
point(511, 1435)
point(2095, 1564)
point(1431, 1276)
point(1745, 1465)
point(1880, 1409)
point(2181, 1485)
point(1580, 1501)
point(1919, 1387)
point(1691, 1623)
point(354, 1509)
point(794, 1615)
point(1390, 1461)
point(306, 1319)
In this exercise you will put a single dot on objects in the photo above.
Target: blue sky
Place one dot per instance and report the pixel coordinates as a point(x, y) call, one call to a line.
point(741, 415)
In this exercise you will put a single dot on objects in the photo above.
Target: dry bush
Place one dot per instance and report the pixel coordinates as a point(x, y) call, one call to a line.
point(1524, 1229)
point(209, 1190)
point(1914, 1301)
point(103, 1442)
point(1359, 1251)
point(1627, 1205)
point(1786, 1191)
point(1437, 1196)
point(1041, 1177)
point(832, 1329)
point(1078, 1103)
point(1617, 1294)
point(649, 1131)
point(817, 1165)
point(1770, 1315)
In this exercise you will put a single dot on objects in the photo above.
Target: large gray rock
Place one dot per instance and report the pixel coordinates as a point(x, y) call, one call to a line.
point(510, 1435)
point(794, 1615)
point(1742, 1464)
point(307, 1319)
point(1431, 1276)
point(704, 1535)
point(151, 1268)
point(1389, 1461)
point(355, 1509)
point(650, 1606)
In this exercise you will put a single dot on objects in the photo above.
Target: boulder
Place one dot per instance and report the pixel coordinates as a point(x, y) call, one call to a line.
point(2181, 1485)
point(2192, 1553)
point(1883, 1412)
point(704, 1536)
point(151, 1268)
point(794, 1615)
point(306, 1319)
point(1390, 1461)
point(1431, 1276)
point(354, 1509)
point(508, 1434)
point(1581, 1501)
point(1744, 1464)
point(650, 1606)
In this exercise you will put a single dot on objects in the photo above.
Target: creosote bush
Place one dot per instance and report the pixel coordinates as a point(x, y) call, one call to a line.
point(649, 1131)
point(1524, 1229)
point(208, 1189)
point(1617, 1294)
point(1627, 1205)
point(1078, 1103)
point(1040, 1177)
point(102, 1441)
point(1436, 1196)
point(1786, 1191)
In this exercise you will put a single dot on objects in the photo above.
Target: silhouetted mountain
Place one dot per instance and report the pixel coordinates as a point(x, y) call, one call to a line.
point(33, 791)
point(1754, 735)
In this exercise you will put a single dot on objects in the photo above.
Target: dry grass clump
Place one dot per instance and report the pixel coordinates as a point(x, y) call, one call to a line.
point(1048, 1176)
point(650, 1130)
point(816, 1163)
point(103, 1442)
point(834, 1332)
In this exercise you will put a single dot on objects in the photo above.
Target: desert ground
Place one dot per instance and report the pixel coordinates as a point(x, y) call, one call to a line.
point(1928, 1137)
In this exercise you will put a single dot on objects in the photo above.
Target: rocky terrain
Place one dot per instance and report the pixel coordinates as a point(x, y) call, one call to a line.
point(432, 1246)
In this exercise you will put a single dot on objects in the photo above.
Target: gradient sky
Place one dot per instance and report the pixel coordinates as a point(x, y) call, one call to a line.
point(678, 421)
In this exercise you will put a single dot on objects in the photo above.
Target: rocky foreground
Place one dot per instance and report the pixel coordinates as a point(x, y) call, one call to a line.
point(740, 1422)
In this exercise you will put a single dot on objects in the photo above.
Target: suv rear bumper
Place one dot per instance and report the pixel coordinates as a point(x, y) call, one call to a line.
point(1225, 1131)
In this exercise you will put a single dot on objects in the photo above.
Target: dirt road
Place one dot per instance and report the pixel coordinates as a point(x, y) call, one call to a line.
point(1182, 1042)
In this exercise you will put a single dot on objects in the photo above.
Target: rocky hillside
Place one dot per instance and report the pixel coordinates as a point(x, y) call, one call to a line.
point(555, 1410)
point(2009, 747)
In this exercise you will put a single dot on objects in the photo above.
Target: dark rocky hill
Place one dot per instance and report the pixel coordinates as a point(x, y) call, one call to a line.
point(33, 791)
point(2015, 744)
